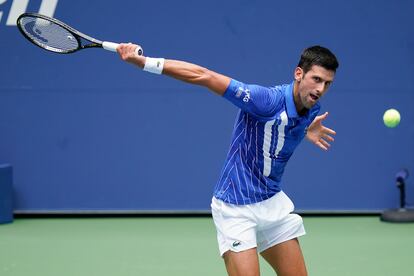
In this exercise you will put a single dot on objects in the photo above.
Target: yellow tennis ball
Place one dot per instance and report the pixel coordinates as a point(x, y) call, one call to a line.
point(391, 117)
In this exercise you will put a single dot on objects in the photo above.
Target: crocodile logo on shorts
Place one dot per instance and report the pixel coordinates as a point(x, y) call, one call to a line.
point(236, 243)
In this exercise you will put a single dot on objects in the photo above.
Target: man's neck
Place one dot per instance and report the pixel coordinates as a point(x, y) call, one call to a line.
point(300, 109)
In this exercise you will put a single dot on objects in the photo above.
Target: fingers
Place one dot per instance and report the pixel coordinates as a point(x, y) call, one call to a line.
point(321, 135)
point(128, 46)
point(329, 131)
point(319, 144)
point(323, 144)
point(127, 50)
point(328, 138)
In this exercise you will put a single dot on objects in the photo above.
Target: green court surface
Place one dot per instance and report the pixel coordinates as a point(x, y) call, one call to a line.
point(334, 246)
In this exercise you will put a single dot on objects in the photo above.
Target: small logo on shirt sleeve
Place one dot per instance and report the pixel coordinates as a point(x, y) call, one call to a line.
point(246, 98)
point(245, 92)
point(239, 92)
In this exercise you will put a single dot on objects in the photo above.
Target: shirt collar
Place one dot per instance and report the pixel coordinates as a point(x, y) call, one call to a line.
point(290, 103)
point(291, 107)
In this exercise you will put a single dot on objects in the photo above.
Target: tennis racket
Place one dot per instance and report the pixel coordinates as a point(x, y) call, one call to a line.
point(55, 36)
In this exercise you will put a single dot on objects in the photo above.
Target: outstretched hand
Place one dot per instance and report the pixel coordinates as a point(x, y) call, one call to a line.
point(320, 135)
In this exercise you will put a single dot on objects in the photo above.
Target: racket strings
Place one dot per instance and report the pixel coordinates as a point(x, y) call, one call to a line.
point(49, 35)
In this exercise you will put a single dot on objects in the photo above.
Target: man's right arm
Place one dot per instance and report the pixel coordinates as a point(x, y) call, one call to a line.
point(180, 70)
point(254, 99)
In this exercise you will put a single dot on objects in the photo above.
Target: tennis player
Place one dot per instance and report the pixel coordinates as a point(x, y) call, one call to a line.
point(251, 213)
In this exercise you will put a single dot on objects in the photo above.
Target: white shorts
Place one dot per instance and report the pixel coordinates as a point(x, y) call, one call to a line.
point(262, 225)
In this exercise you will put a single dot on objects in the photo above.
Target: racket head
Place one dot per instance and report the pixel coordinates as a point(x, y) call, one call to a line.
point(49, 33)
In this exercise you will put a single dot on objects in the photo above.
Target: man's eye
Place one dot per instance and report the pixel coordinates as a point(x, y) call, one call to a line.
point(317, 79)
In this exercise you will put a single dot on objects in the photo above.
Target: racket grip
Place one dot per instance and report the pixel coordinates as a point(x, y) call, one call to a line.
point(111, 46)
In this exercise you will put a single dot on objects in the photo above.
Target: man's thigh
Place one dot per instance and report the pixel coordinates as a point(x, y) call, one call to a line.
point(286, 258)
point(244, 263)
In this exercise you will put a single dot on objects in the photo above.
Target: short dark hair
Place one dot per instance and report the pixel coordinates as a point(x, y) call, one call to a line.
point(318, 55)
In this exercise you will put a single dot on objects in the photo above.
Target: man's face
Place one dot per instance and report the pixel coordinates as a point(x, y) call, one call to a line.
point(310, 87)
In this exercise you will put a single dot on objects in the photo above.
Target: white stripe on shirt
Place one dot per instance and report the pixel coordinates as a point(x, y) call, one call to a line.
point(267, 140)
point(281, 135)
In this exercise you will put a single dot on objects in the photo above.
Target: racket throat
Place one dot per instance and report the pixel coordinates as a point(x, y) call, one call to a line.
point(91, 45)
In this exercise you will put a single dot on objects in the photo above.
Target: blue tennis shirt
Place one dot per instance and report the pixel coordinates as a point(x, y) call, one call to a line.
point(266, 132)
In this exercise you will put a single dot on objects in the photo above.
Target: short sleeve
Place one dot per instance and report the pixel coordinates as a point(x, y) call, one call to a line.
point(257, 100)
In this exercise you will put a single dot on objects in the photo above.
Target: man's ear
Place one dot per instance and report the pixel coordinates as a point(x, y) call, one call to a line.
point(298, 74)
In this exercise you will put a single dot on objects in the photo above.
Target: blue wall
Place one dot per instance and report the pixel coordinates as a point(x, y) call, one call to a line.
point(88, 132)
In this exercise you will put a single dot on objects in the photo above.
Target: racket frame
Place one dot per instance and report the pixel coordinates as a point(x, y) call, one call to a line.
point(95, 43)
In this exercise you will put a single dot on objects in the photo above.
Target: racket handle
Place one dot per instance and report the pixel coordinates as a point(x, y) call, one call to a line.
point(111, 46)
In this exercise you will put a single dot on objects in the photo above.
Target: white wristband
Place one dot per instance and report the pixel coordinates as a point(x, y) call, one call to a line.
point(154, 65)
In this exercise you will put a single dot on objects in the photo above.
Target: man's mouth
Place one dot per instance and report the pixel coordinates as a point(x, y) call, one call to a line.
point(314, 97)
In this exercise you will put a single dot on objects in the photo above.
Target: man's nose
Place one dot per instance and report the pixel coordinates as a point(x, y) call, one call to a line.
point(321, 87)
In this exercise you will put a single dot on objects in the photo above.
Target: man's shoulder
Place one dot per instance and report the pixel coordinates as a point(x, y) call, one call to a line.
point(282, 89)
